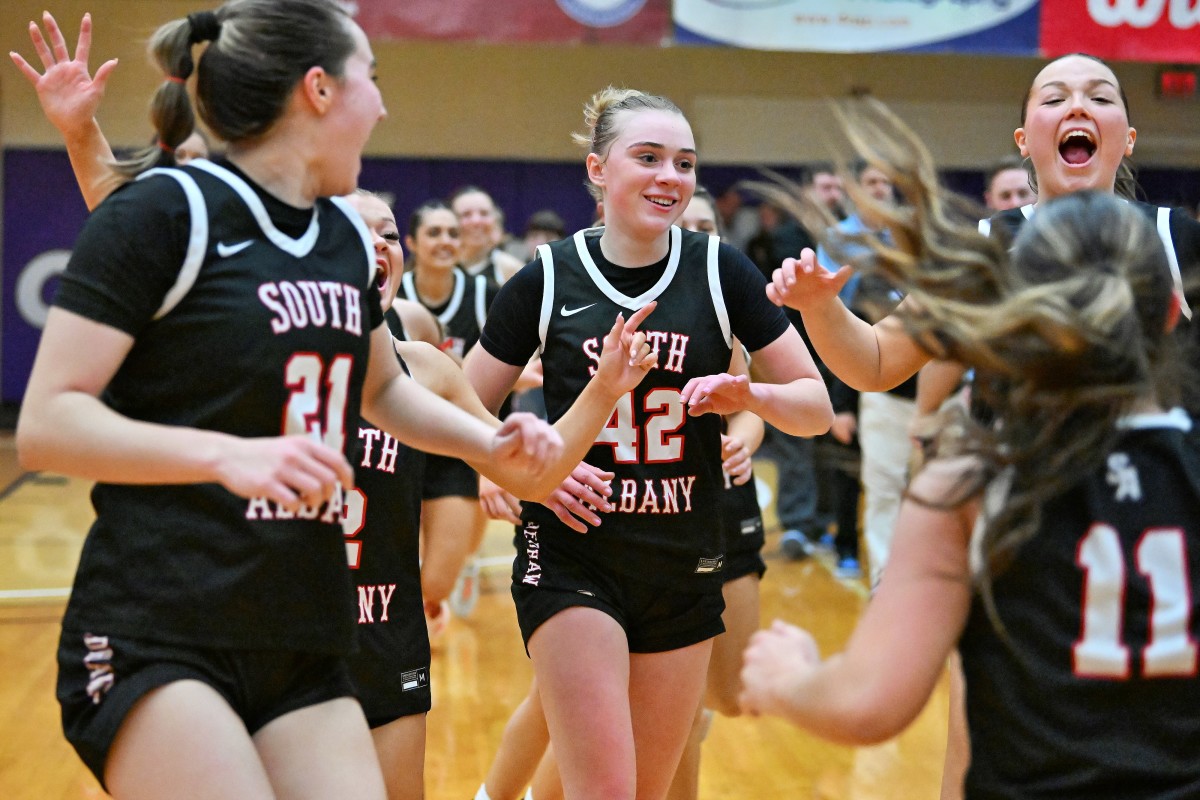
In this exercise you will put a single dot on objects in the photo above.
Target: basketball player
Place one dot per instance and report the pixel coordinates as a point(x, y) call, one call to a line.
point(1057, 550)
point(201, 650)
point(1076, 133)
point(619, 625)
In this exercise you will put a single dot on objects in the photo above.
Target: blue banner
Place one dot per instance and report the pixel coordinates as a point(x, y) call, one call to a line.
point(862, 26)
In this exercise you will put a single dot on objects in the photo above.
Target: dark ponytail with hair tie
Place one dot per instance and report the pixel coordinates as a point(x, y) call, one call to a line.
point(205, 27)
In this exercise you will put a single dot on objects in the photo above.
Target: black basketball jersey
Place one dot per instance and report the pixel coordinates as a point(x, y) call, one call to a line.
point(1179, 233)
point(395, 325)
point(667, 491)
point(381, 523)
point(250, 318)
point(1093, 695)
point(464, 312)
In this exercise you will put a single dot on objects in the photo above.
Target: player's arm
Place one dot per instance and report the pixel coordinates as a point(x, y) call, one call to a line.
point(70, 96)
point(64, 427)
point(419, 323)
point(895, 656)
point(870, 358)
point(624, 361)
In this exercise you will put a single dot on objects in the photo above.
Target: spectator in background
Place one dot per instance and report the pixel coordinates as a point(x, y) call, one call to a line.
point(543, 226)
point(481, 228)
point(1008, 185)
point(883, 417)
point(805, 494)
point(739, 221)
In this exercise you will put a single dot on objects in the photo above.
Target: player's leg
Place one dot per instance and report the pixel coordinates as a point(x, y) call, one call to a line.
point(665, 689)
point(452, 528)
point(183, 740)
point(581, 659)
point(522, 746)
point(400, 746)
point(321, 751)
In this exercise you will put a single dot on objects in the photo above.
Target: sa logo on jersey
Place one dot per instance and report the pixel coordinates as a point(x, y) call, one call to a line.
point(601, 13)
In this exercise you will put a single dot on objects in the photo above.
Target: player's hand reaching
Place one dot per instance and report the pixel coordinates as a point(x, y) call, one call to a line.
point(736, 461)
point(67, 90)
point(293, 471)
point(717, 394)
point(626, 356)
point(526, 444)
point(497, 502)
point(584, 491)
point(775, 663)
point(803, 284)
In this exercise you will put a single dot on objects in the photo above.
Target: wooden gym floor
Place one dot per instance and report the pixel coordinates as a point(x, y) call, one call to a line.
point(480, 673)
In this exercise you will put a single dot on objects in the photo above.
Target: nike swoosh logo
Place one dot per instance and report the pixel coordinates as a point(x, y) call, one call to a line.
point(568, 312)
point(227, 250)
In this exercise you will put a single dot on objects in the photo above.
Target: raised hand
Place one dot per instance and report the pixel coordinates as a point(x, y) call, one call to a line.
point(293, 471)
point(67, 91)
point(775, 663)
point(736, 461)
point(525, 443)
point(803, 284)
point(626, 356)
point(586, 489)
point(716, 394)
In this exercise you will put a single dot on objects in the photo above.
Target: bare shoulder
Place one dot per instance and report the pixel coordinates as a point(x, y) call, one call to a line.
point(506, 263)
point(419, 323)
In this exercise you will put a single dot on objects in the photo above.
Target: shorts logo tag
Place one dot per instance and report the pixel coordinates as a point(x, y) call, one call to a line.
point(414, 679)
point(99, 663)
point(711, 565)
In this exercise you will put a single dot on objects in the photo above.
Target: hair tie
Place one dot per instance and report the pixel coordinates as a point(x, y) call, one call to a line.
point(166, 148)
point(205, 27)
point(175, 79)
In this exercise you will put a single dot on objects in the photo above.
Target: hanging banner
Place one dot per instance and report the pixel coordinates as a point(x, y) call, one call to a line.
point(862, 26)
point(645, 22)
point(1126, 30)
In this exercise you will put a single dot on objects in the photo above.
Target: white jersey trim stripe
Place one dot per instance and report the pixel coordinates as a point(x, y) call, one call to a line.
point(610, 291)
point(197, 247)
point(408, 282)
point(1164, 233)
point(714, 289)
point(480, 301)
point(296, 247)
point(543, 252)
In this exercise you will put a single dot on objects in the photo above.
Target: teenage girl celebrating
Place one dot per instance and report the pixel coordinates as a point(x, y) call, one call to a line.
point(619, 625)
point(390, 669)
point(1076, 133)
point(229, 623)
point(1057, 549)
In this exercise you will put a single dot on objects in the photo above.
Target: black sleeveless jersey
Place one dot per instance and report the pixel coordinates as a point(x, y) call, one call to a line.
point(666, 526)
point(395, 325)
point(250, 318)
point(381, 522)
point(1094, 693)
point(463, 314)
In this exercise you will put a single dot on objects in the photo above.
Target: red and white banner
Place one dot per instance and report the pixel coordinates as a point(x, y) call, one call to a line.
point(646, 22)
point(1128, 30)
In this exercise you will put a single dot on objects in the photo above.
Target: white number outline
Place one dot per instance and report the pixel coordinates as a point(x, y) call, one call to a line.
point(661, 443)
point(303, 374)
point(1161, 555)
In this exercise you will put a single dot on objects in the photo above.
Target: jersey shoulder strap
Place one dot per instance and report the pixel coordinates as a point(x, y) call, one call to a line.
point(197, 246)
point(1163, 223)
point(543, 252)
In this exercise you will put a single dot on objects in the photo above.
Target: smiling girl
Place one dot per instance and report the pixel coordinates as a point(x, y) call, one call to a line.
point(619, 622)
